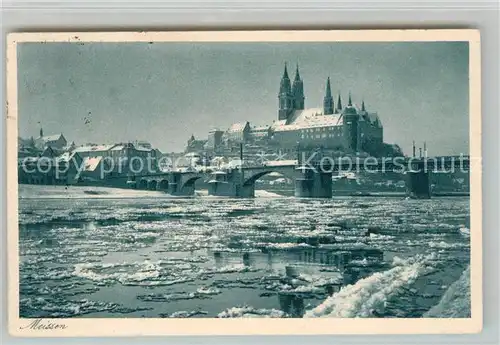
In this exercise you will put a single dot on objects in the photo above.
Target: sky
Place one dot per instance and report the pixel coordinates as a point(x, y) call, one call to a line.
point(164, 92)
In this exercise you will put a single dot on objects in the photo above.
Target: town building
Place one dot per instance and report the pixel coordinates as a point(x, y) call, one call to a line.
point(214, 140)
point(55, 141)
point(123, 157)
point(79, 163)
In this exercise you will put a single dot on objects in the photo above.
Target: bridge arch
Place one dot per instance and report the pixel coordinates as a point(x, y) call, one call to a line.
point(252, 179)
point(190, 181)
point(163, 185)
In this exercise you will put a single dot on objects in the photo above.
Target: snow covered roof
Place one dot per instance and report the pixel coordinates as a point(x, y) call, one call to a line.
point(118, 147)
point(66, 156)
point(142, 148)
point(215, 130)
point(307, 118)
point(237, 127)
point(91, 163)
point(259, 129)
point(52, 137)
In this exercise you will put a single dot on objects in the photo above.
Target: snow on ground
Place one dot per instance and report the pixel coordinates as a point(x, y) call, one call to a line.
point(81, 192)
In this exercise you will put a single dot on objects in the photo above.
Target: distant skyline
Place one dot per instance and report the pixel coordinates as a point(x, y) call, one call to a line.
point(164, 92)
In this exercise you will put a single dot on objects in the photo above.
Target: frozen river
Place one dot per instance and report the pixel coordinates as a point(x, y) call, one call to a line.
point(124, 253)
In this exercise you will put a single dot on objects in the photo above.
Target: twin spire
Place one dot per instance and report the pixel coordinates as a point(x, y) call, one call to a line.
point(291, 97)
point(297, 74)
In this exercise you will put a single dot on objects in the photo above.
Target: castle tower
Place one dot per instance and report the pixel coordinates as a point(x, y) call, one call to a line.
point(338, 110)
point(285, 97)
point(328, 99)
point(298, 91)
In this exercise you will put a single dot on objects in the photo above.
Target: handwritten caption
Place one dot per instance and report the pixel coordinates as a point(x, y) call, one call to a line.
point(44, 325)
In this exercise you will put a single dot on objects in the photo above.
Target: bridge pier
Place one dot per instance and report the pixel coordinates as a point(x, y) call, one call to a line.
point(222, 188)
point(246, 191)
point(186, 190)
point(231, 189)
point(418, 184)
point(313, 184)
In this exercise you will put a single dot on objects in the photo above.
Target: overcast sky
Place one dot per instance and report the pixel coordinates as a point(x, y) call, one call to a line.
point(164, 92)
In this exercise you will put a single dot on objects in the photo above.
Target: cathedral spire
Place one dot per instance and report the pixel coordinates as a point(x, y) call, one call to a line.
point(285, 86)
point(297, 74)
point(328, 88)
point(363, 106)
point(41, 132)
point(328, 100)
point(298, 91)
point(285, 73)
point(350, 101)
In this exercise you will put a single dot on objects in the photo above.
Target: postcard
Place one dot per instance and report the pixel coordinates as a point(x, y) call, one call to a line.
point(244, 182)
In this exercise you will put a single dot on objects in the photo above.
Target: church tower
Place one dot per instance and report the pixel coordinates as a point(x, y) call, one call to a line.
point(298, 91)
point(285, 97)
point(328, 99)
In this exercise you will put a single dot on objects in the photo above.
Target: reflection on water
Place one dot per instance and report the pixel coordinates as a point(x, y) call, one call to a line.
point(250, 257)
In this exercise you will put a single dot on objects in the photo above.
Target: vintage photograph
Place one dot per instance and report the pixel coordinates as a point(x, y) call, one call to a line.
point(244, 179)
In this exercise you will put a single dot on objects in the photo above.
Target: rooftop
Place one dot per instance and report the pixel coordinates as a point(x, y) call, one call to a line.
point(51, 137)
point(90, 148)
point(91, 163)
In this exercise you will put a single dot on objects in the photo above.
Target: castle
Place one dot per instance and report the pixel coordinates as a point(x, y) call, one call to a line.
point(333, 127)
